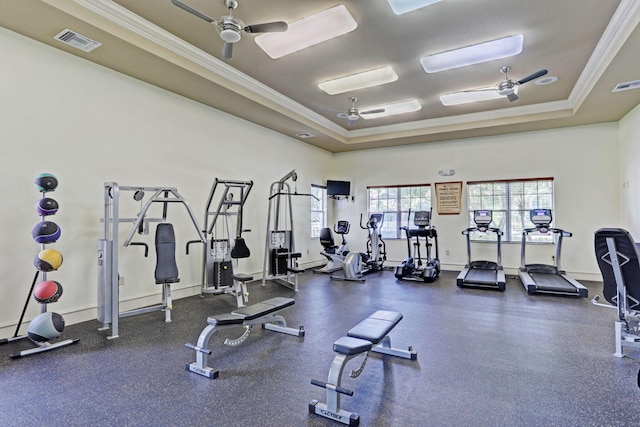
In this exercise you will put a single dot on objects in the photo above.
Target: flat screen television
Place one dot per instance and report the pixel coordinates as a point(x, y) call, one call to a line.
point(338, 188)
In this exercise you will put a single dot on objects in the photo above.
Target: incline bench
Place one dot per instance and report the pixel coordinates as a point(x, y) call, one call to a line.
point(255, 314)
point(372, 334)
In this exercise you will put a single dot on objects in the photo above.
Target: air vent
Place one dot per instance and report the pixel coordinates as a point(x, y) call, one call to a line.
point(77, 40)
point(635, 84)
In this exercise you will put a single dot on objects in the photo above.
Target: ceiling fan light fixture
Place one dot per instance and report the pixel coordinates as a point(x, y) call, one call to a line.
point(376, 77)
point(403, 6)
point(402, 107)
point(475, 54)
point(229, 36)
point(308, 32)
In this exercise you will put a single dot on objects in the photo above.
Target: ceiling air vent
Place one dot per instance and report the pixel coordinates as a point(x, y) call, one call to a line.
point(77, 40)
point(635, 84)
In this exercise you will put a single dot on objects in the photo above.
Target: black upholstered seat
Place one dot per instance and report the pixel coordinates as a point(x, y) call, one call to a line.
point(628, 256)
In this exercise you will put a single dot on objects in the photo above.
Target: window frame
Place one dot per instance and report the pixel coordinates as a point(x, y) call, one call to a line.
point(323, 211)
point(506, 214)
point(399, 213)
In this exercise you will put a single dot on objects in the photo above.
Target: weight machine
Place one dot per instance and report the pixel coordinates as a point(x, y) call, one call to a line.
point(220, 257)
point(108, 249)
point(280, 256)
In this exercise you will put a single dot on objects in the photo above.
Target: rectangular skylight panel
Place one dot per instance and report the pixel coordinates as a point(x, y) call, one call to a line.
point(307, 32)
point(403, 6)
point(370, 78)
point(402, 107)
point(458, 98)
point(476, 54)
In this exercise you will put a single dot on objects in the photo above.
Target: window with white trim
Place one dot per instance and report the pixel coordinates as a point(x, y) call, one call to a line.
point(395, 202)
point(510, 202)
point(318, 210)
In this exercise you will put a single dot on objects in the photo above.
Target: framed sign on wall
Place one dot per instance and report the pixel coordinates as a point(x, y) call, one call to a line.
point(449, 197)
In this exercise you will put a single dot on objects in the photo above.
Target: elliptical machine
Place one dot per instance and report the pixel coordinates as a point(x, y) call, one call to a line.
point(357, 264)
point(412, 267)
point(335, 254)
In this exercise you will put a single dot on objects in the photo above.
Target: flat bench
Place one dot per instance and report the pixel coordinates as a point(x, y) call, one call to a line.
point(370, 335)
point(260, 313)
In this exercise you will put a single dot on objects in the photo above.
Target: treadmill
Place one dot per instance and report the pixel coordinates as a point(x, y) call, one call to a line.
point(543, 278)
point(485, 274)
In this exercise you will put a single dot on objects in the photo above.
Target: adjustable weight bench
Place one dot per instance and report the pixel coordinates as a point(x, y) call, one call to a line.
point(261, 313)
point(370, 335)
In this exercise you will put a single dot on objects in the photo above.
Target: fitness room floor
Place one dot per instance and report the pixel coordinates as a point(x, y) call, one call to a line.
point(485, 358)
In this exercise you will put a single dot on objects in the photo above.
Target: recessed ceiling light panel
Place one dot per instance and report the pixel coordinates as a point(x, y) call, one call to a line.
point(357, 81)
point(476, 54)
point(403, 6)
point(307, 32)
point(401, 107)
point(458, 98)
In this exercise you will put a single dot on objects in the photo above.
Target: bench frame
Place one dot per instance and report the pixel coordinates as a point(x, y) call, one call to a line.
point(256, 314)
point(358, 346)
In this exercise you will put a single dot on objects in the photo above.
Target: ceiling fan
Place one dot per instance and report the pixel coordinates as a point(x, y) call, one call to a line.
point(230, 28)
point(508, 87)
point(353, 114)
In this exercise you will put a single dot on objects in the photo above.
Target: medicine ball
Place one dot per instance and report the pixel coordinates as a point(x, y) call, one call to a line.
point(46, 232)
point(46, 182)
point(46, 206)
point(45, 326)
point(47, 292)
point(48, 260)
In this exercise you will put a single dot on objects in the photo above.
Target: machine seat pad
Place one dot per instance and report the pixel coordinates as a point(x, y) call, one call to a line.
point(375, 327)
point(174, 280)
point(263, 308)
point(349, 346)
point(243, 277)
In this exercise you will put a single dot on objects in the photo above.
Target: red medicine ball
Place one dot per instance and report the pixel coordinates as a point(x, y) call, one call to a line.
point(47, 292)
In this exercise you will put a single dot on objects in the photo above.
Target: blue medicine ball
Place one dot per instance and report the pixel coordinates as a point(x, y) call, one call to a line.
point(45, 327)
point(46, 206)
point(46, 182)
point(46, 232)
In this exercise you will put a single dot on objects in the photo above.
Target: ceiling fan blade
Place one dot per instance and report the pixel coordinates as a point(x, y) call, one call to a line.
point(342, 115)
point(268, 27)
point(512, 97)
point(532, 76)
point(227, 50)
point(374, 111)
point(192, 10)
point(481, 89)
point(350, 122)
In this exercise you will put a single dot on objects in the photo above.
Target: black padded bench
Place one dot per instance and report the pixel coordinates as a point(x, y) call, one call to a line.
point(370, 335)
point(260, 313)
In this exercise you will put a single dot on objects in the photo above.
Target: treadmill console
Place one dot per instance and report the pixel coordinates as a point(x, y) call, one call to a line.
point(482, 219)
point(541, 218)
point(422, 219)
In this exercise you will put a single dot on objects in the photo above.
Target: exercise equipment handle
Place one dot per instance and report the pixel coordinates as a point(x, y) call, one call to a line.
point(146, 247)
point(190, 242)
point(339, 389)
point(196, 348)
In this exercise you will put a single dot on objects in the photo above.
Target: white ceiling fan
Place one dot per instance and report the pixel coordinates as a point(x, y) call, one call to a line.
point(230, 28)
point(353, 114)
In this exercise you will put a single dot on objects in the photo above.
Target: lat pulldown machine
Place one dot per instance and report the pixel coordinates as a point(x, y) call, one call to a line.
point(280, 256)
point(108, 248)
point(220, 257)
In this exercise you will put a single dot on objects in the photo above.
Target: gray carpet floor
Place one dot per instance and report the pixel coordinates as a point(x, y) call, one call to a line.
point(485, 358)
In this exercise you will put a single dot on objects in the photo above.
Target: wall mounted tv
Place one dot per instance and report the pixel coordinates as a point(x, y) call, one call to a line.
point(338, 188)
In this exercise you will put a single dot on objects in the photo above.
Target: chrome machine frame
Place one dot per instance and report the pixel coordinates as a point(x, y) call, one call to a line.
point(108, 249)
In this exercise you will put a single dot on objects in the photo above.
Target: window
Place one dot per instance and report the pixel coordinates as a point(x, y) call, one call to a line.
point(395, 203)
point(318, 210)
point(510, 203)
